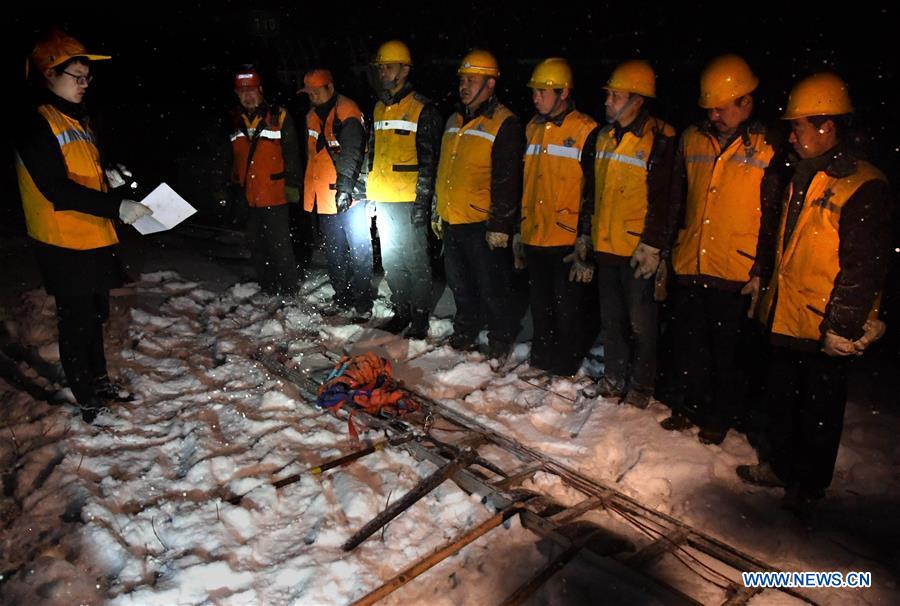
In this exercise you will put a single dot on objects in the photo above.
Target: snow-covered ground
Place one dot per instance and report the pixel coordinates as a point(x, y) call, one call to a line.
point(137, 512)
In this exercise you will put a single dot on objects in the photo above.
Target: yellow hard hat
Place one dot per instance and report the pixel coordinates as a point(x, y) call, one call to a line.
point(633, 77)
point(822, 94)
point(479, 63)
point(392, 51)
point(552, 73)
point(725, 79)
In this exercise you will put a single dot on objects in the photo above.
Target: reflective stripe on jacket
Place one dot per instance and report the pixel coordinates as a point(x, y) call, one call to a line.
point(321, 176)
point(263, 178)
point(806, 268)
point(464, 173)
point(395, 166)
point(68, 228)
point(723, 208)
point(553, 179)
point(620, 187)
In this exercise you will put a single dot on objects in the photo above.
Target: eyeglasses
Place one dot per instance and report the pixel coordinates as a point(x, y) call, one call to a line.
point(80, 80)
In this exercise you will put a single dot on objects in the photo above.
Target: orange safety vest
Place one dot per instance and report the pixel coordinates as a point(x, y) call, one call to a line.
point(67, 228)
point(620, 186)
point(805, 269)
point(263, 177)
point(722, 211)
point(553, 179)
point(321, 177)
point(395, 168)
point(464, 173)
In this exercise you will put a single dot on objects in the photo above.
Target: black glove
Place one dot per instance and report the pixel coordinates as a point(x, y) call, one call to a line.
point(342, 201)
point(418, 214)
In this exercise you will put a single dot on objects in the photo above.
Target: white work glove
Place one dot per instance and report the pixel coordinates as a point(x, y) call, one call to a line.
point(119, 176)
point(130, 211)
point(518, 252)
point(370, 210)
point(437, 227)
point(496, 239)
point(834, 344)
point(752, 288)
point(645, 261)
point(875, 329)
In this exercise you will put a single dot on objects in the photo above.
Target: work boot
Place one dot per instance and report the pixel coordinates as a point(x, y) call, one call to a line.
point(498, 350)
point(759, 475)
point(398, 322)
point(605, 388)
point(462, 342)
point(676, 422)
point(709, 435)
point(801, 502)
point(90, 410)
point(360, 317)
point(105, 389)
point(418, 328)
point(637, 398)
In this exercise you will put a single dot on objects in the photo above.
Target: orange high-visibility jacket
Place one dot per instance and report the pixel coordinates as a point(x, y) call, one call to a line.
point(67, 228)
point(620, 187)
point(723, 207)
point(321, 176)
point(553, 179)
point(806, 268)
point(262, 178)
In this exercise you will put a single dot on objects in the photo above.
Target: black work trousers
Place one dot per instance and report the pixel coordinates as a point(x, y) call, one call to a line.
point(302, 237)
point(348, 250)
point(708, 363)
point(480, 279)
point(269, 239)
point(80, 320)
point(557, 306)
point(805, 396)
point(629, 317)
point(404, 256)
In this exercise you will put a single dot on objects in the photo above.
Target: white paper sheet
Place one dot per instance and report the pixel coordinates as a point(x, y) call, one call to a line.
point(169, 209)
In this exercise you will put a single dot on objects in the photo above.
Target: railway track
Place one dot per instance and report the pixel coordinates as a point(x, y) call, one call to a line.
point(494, 466)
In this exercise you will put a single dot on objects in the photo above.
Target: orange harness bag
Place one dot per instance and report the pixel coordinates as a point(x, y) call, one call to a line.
point(364, 382)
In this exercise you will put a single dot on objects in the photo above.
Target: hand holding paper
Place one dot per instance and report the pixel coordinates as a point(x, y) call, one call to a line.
point(130, 211)
point(168, 210)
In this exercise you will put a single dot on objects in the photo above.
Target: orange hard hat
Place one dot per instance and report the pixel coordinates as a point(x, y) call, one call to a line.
point(56, 48)
point(316, 78)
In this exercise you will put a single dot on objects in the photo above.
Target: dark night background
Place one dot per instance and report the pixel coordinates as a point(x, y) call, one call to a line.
point(164, 97)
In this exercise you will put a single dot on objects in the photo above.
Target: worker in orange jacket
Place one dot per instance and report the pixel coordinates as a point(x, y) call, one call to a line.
point(266, 173)
point(558, 173)
point(70, 213)
point(477, 207)
point(820, 303)
point(726, 186)
point(335, 151)
point(624, 228)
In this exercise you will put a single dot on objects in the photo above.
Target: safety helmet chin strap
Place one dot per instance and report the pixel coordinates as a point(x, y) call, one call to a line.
point(468, 105)
point(615, 117)
point(556, 105)
point(391, 85)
